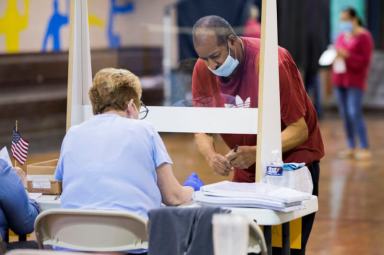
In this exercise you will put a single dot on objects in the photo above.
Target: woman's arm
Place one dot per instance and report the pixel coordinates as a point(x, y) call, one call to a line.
point(20, 212)
point(172, 192)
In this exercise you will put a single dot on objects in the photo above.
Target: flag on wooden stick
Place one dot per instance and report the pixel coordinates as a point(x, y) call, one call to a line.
point(19, 147)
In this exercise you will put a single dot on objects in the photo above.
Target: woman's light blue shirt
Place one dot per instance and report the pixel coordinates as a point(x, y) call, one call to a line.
point(109, 162)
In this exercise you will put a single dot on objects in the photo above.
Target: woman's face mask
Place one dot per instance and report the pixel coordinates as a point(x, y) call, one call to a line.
point(346, 26)
point(227, 68)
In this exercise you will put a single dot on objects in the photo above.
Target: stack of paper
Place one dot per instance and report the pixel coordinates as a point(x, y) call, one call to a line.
point(257, 195)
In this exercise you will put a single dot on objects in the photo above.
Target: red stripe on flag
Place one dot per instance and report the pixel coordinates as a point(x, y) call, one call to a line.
point(25, 148)
point(23, 142)
point(18, 148)
point(19, 158)
point(21, 152)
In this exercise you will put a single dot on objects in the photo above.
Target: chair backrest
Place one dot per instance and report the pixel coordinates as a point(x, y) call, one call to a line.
point(228, 227)
point(91, 230)
point(40, 252)
point(256, 239)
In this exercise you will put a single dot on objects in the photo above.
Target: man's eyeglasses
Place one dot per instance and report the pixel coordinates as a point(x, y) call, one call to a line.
point(143, 111)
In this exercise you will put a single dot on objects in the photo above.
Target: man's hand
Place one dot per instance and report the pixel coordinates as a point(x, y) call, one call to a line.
point(243, 157)
point(220, 164)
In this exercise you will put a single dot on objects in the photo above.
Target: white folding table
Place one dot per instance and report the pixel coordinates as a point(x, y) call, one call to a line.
point(264, 217)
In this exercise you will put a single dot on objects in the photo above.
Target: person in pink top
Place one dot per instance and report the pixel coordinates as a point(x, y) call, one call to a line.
point(354, 47)
point(252, 27)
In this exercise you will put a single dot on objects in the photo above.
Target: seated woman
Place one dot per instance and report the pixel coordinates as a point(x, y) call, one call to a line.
point(17, 211)
point(114, 160)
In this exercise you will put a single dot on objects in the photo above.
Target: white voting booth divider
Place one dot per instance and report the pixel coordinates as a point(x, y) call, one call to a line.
point(264, 121)
point(79, 66)
point(198, 119)
point(269, 127)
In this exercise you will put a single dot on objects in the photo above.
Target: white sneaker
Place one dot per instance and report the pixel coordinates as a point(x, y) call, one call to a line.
point(346, 154)
point(363, 154)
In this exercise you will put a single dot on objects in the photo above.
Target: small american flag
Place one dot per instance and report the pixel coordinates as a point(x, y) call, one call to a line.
point(19, 147)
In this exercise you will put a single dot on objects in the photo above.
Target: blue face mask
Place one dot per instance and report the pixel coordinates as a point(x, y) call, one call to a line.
point(227, 68)
point(346, 26)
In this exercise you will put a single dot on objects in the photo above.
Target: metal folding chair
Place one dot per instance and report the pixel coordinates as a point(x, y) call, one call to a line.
point(256, 239)
point(40, 252)
point(91, 230)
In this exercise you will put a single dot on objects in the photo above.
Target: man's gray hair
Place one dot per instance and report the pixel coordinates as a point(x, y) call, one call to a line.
point(214, 23)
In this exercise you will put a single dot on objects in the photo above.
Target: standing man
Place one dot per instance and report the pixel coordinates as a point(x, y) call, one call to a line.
point(227, 75)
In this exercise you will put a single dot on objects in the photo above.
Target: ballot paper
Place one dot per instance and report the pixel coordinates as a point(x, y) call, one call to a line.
point(254, 190)
point(34, 195)
point(202, 199)
point(5, 155)
point(260, 195)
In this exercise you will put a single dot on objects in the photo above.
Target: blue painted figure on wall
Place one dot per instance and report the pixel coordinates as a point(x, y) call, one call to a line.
point(55, 24)
point(116, 9)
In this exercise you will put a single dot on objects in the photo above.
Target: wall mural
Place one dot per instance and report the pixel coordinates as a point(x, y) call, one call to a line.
point(13, 21)
point(46, 24)
point(58, 20)
point(116, 9)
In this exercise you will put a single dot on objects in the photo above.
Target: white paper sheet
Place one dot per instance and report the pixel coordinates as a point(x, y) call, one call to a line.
point(34, 195)
point(202, 199)
point(5, 155)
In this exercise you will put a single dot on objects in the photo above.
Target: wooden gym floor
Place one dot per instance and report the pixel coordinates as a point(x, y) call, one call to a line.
point(351, 216)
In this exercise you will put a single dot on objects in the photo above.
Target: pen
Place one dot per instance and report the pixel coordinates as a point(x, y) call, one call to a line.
point(234, 150)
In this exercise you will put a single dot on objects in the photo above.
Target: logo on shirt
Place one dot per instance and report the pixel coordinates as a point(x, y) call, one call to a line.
point(239, 103)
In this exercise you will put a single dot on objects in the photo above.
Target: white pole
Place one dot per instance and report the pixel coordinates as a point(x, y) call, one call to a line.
point(167, 53)
point(79, 66)
point(269, 126)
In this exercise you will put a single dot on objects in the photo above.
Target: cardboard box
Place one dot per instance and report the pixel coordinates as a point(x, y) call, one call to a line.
point(40, 178)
